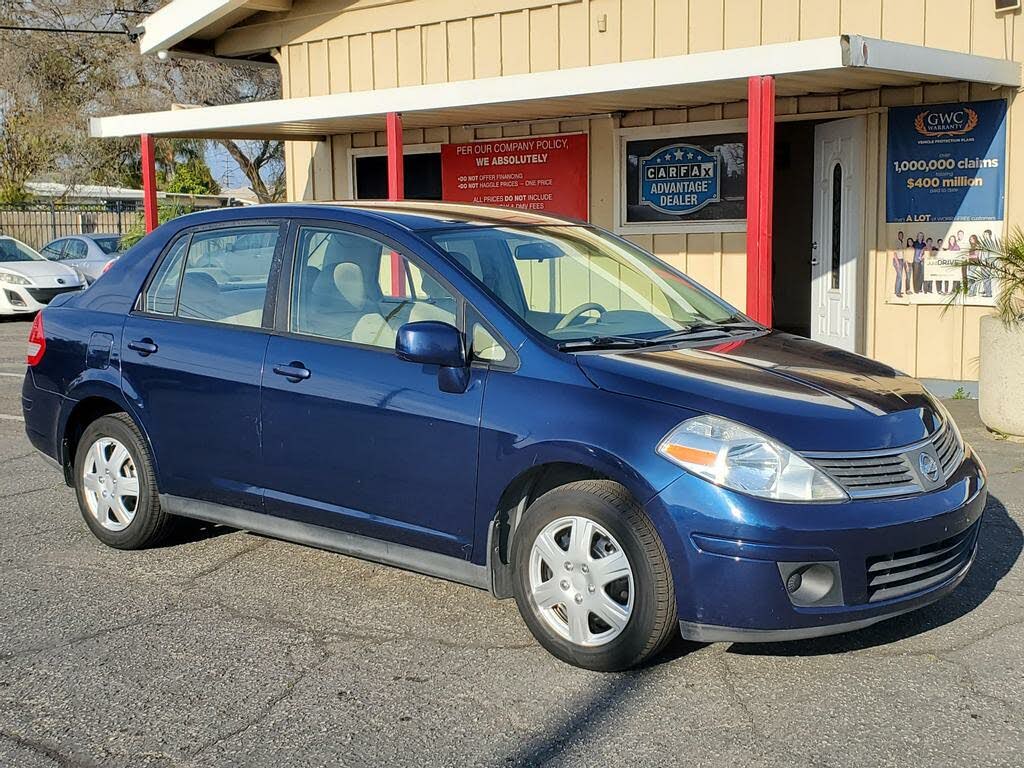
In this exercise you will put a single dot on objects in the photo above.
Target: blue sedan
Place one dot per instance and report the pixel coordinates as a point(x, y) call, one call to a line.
point(521, 403)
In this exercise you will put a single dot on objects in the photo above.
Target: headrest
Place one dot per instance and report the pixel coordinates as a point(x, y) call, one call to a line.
point(348, 279)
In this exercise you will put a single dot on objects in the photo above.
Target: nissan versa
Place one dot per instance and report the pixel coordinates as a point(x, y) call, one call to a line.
point(516, 402)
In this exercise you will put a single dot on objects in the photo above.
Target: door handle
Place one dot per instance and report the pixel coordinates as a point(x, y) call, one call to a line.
point(294, 372)
point(144, 347)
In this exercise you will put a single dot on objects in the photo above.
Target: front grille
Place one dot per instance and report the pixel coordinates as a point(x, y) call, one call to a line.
point(902, 573)
point(46, 295)
point(893, 472)
point(948, 450)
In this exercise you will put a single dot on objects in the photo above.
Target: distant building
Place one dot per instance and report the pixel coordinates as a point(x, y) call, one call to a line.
point(129, 199)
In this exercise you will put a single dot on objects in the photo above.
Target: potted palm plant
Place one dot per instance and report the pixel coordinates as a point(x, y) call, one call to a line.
point(999, 264)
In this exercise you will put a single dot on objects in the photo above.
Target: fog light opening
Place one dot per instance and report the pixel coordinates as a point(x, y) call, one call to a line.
point(812, 583)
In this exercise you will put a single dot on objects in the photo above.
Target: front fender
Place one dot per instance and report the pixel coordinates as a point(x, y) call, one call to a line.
point(529, 422)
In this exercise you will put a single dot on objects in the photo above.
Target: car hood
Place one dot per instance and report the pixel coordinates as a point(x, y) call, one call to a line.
point(36, 269)
point(810, 396)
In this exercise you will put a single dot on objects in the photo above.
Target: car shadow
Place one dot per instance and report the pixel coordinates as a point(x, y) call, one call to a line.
point(191, 531)
point(1000, 542)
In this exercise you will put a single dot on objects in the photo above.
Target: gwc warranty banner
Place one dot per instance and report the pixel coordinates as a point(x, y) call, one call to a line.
point(946, 162)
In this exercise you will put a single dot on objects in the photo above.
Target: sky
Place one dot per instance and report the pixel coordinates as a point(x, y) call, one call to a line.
point(224, 169)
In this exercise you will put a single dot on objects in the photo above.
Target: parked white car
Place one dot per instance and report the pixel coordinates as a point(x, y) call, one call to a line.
point(89, 254)
point(28, 282)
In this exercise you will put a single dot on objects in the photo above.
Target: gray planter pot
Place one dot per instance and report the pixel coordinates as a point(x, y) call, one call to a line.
point(1001, 376)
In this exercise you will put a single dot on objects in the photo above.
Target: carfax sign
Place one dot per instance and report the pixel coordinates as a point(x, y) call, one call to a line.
point(680, 179)
point(946, 162)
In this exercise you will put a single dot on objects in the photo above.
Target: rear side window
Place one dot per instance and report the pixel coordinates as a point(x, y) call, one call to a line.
point(162, 295)
point(219, 275)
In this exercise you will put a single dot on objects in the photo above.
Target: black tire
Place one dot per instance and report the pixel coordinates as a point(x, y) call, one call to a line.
point(652, 622)
point(151, 524)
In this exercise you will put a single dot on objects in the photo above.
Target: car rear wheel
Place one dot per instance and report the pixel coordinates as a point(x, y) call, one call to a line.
point(592, 577)
point(116, 487)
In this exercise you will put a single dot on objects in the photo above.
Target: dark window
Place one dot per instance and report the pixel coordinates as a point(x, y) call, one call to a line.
point(108, 244)
point(422, 176)
point(837, 223)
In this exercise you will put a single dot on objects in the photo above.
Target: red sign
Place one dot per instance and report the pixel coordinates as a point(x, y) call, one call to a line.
point(538, 173)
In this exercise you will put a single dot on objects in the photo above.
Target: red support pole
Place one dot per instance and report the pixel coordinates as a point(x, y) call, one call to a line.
point(149, 182)
point(396, 191)
point(760, 191)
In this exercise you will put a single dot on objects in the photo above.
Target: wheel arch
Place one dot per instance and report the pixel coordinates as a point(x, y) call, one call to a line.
point(85, 404)
point(533, 482)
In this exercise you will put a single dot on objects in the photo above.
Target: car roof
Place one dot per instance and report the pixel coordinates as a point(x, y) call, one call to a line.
point(97, 235)
point(415, 216)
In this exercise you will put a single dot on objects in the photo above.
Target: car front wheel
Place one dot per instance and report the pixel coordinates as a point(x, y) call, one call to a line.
point(592, 577)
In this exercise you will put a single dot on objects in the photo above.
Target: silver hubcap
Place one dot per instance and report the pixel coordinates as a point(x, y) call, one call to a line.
point(581, 581)
point(110, 484)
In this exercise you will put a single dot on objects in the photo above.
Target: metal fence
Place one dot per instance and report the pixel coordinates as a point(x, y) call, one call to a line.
point(38, 223)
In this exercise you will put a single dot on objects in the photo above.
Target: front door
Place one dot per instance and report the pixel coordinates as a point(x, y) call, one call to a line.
point(353, 437)
point(839, 160)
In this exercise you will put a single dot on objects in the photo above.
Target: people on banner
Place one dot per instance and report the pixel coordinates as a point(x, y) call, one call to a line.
point(910, 254)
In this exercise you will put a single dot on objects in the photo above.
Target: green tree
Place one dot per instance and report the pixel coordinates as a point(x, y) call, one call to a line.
point(192, 178)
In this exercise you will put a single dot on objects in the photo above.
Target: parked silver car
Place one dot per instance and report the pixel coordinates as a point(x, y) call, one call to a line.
point(87, 254)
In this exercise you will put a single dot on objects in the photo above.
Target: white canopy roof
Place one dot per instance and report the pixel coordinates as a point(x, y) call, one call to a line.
point(826, 65)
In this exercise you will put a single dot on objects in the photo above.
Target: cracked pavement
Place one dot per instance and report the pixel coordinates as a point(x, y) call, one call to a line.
point(228, 649)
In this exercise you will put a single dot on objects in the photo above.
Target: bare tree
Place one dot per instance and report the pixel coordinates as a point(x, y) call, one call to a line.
point(51, 83)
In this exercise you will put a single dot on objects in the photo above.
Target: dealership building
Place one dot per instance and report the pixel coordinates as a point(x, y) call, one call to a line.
point(825, 165)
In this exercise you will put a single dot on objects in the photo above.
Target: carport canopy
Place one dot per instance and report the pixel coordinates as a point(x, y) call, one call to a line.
point(821, 66)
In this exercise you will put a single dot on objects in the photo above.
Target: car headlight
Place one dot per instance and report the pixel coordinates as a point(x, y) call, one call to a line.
point(13, 279)
point(737, 457)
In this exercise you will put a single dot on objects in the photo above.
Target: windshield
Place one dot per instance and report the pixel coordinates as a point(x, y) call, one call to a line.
point(575, 282)
point(13, 250)
point(108, 245)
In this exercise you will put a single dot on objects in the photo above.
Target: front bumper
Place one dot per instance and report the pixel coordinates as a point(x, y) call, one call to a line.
point(17, 299)
point(729, 555)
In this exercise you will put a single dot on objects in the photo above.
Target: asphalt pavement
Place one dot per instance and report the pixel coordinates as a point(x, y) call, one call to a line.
point(229, 649)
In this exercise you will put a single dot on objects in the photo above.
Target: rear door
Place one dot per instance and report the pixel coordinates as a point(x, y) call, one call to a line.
point(76, 253)
point(193, 353)
point(353, 437)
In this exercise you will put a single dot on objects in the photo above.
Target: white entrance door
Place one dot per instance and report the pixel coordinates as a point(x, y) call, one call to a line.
point(839, 149)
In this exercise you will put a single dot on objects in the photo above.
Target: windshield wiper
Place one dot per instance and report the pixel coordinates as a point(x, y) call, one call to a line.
point(724, 328)
point(605, 342)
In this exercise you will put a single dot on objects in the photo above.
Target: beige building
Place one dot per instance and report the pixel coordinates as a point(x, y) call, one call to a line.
point(641, 77)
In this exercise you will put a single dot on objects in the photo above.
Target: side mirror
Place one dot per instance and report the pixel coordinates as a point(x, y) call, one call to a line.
point(431, 342)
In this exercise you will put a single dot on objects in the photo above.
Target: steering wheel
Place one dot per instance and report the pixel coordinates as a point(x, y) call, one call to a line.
point(587, 306)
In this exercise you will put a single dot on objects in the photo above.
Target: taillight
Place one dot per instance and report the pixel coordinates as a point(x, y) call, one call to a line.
point(107, 266)
point(36, 341)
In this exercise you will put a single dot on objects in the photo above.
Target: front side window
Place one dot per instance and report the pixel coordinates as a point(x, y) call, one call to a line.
point(354, 288)
point(575, 282)
point(218, 275)
point(54, 250)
